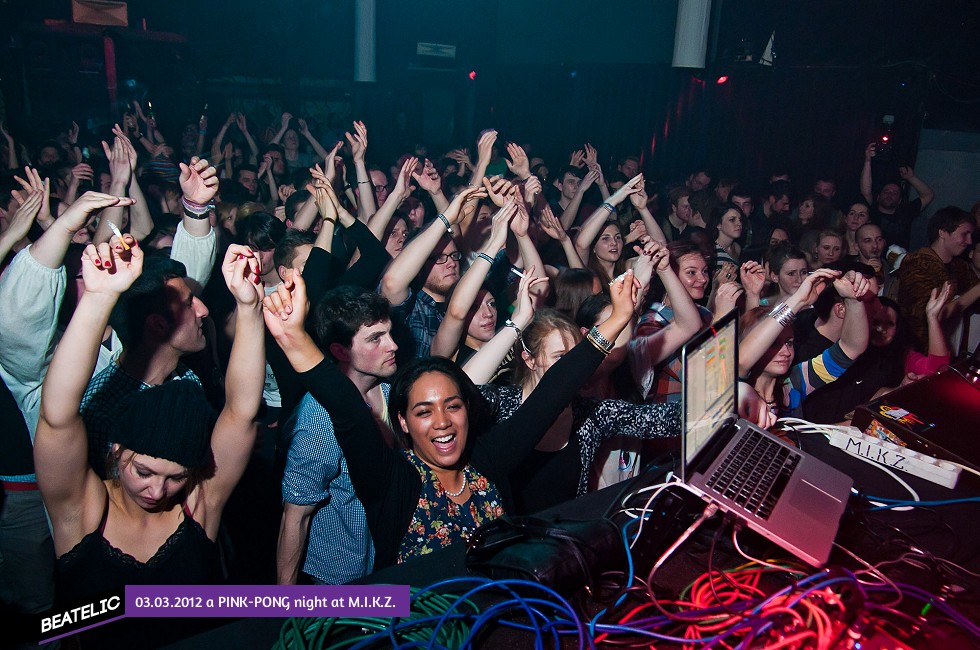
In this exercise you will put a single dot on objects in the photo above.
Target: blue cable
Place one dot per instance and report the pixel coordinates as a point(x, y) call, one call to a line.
point(895, 503)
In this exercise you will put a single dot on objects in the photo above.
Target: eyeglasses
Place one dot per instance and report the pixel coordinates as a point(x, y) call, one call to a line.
point(445, 257)
point(378, 189)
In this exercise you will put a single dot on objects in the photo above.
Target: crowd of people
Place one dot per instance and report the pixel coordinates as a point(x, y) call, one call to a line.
point(259, 358)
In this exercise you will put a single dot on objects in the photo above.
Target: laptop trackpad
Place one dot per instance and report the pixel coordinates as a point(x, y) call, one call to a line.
point(813, 501)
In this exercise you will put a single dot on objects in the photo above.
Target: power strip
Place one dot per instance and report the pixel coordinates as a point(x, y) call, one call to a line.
point(893, 456)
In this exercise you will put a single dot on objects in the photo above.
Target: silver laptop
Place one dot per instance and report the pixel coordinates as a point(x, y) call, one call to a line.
point(790, 498)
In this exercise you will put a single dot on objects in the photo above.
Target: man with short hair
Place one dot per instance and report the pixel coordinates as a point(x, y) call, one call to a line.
point(871, 244)
point(950, 233)
point(888, 209)
point(248, 177)
point(679, 217)
point(430, 256)
point(697, 180)
point(322, 518)
point(773, 213)
point(572, 184)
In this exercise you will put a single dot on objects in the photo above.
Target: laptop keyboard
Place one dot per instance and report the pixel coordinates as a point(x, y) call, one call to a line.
point(755, 473)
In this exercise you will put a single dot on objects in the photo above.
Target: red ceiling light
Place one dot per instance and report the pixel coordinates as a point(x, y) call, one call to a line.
point(722, 79)
point(472, 75)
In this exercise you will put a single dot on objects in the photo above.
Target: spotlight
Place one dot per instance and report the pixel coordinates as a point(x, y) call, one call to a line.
point(722, 79)
point(472, 75)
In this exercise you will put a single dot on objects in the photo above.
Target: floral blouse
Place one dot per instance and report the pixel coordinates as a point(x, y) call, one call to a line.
point(438, 520)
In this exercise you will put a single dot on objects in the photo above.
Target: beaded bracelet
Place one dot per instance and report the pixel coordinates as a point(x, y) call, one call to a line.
point(596, 337)
point(783, 314)
point(484, 256)
point(445, 221)
point(598, 347)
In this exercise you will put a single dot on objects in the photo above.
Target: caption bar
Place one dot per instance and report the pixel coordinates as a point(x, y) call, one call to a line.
point(268, 601)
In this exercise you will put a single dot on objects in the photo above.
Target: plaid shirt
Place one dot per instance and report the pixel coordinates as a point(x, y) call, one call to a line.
point(663, 382)
point(422, 314)
point(102, 396)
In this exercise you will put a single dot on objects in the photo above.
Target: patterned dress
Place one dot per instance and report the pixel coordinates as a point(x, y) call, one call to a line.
point(439, 521)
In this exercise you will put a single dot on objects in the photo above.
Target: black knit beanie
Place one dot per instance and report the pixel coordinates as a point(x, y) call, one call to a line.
point(172, 421)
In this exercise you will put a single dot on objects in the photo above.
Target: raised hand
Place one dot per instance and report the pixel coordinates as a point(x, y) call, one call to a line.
point(630, 187)
point(624, 290)
point(521, 221)
point(937, 300)
point(591, 157)
point(551, 225)
point(524, 307)
point(518, 163)
point(232, 119)
point(284, 120)
point(3, 131)
point(198, 181)
point(111, 268)
point(727, 297)
point(403, 184)
point(285, 310)
point(77, 215)
point(870, 151)
point(532, 187)
point(428, 179)
point(906, 172)
point(73, 134)
point(330, 164)
point(466, 194)
point(242, 271)
point(20, 223)
point(726, 273)
point(587, 181)
point(639, 198)
point(241, 122)
point(34, 185)
point(813, 285)
point(462, 157)
point(753, 277)
point(127, 146)
point(505, 216)
point(118, 157)
point(851, 286)
point(484, 145)
point(303, 127)
point(499, 190)
point(358, 141)
point(285, 191)
point(577, 158)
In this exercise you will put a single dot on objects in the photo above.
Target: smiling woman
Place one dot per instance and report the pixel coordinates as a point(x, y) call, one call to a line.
point(453, 476)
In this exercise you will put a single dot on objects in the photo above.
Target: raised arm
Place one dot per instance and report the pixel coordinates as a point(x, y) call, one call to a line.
point(304, 130)
point(216, 155)
point(67, 483)
point(854, 332)
point(484, 149)
point(530, 257)
point(753, 277)
point(234, 432)
point(481, 366)
point(195, 244)
point(552, 227)
point(593, 225)
point(283, 127)
point(453, 325)
point(253, 148)
point(934, 309)
point(639, 201)
point(366, 205)
point(378, 221)
point(121, 172)
point(403, 269)
point(869, 153)
point(926, 195)
point(755, 344)
point(430, 181)
point(657, 346)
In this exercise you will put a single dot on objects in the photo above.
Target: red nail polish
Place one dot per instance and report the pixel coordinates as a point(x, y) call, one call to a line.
point(241, 257)
point(257, 279)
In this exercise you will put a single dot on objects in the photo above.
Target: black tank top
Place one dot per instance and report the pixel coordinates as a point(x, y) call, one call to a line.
point(94, 566)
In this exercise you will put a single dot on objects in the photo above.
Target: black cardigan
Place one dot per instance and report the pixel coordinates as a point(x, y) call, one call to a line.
point(389, 486)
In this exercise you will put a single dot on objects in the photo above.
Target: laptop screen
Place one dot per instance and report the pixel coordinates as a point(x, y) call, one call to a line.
point(710, 372)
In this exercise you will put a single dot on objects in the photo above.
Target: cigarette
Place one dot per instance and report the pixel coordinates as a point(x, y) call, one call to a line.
point(115, 231)
point(517, 272)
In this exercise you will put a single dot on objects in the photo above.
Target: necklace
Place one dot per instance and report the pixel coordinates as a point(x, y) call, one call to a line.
point(457, 492)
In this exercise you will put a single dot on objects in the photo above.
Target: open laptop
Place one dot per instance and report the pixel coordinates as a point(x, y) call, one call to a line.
point(790, 498)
